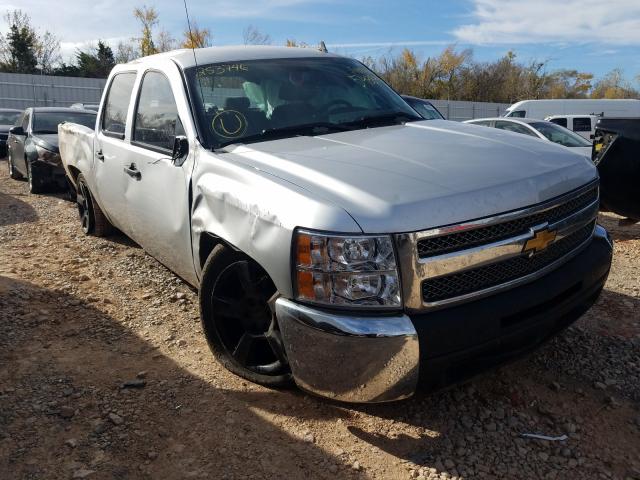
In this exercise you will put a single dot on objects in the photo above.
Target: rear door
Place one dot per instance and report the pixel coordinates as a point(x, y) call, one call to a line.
point(157, 189)
point(111, 150)
point(583, 127)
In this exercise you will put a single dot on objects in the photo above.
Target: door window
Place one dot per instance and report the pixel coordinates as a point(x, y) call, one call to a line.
point(518, 114)
point(514, 127)
point(156, 121)
point(559, 121)
point(581, 124)
point(114, 118)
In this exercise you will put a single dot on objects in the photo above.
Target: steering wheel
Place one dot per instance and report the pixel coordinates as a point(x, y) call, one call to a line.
point(332, 105)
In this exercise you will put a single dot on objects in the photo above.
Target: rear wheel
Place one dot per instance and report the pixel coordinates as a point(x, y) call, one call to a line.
point(13, 173)
point(93, 220)
point(238, 317)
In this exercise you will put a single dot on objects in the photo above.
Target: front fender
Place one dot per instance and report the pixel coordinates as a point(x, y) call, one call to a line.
point(256, 213)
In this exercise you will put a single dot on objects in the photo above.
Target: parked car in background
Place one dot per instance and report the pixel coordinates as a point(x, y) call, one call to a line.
point(8, 118)
point(579, 106)
point(33, 145)
point(86, 106)
point(425, 108)
point(539, 129)
point(616, 153)
point(338, 239)
point(583, 125)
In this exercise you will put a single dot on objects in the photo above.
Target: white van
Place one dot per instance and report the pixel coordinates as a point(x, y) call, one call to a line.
point(587, 106)
point(583, 125)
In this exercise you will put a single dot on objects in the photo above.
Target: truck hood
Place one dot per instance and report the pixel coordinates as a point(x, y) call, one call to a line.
point(421, 175)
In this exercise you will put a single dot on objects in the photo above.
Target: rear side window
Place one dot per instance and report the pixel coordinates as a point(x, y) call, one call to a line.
point(518, 114)
point(157, 123)
point(114, 117)
point(581, 124)
point(514, 127)
point(559, 121)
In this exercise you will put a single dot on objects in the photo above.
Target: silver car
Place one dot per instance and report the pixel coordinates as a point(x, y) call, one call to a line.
point(337, 240)
point(541, 129)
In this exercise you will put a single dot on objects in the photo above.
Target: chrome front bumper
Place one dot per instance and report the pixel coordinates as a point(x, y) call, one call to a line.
point(350, 358)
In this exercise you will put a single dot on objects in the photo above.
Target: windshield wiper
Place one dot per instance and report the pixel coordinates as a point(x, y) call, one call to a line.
point(394, 118)
point(307, 129)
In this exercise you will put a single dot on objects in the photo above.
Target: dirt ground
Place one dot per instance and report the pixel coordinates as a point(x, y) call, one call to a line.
point(105, 374)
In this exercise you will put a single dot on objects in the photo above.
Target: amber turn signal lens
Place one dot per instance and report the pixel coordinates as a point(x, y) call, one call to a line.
point(303, 250)
point(305, 285)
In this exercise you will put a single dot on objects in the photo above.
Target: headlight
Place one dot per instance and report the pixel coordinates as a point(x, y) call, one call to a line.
point(47, 155)
point(346, 270)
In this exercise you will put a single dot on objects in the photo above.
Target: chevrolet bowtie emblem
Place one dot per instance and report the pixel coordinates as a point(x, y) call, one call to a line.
point(540, 241)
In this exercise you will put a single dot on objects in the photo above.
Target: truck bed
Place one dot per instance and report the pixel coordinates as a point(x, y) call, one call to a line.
point(76, 146)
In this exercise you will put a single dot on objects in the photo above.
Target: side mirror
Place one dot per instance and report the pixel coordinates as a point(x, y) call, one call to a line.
point(19, 131)
point(180, 149)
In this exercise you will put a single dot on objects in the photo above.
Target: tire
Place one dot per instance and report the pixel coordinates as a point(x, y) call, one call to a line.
point(237, 319)
point(92, 219)
point(13, 173)
point(36, 182)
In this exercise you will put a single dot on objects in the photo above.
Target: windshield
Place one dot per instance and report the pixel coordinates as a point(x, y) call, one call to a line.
point(517, 114)
point(9, 118)
point(561, 135)
point(47, 122)
point(425, 109)
point(264, 99)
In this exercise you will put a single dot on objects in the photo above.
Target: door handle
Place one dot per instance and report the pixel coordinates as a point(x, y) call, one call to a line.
point(100, 155)
point(132, 171)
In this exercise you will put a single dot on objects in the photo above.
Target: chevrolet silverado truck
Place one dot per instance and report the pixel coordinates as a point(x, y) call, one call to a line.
point(616, 153)
point(338, 240)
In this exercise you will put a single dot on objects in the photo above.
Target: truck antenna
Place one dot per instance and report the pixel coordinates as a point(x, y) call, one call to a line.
point(186, 10)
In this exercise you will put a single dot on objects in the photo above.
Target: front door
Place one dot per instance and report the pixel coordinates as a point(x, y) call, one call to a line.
point(110, 151)
point(157, 190)
point(15, 143)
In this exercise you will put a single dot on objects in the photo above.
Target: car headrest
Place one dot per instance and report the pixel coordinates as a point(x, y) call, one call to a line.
point(237, 103)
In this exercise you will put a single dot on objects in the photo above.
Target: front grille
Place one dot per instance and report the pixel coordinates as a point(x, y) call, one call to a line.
point(450, 286)
point(429, 247)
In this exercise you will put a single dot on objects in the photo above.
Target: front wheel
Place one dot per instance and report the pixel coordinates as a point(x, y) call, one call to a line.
point(238, 318)
point(36, 182)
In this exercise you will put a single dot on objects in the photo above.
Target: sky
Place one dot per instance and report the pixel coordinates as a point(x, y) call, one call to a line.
point(588, 35)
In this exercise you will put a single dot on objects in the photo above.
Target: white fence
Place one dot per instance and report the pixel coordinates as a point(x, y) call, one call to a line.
point(19, 90)
point(461, 110)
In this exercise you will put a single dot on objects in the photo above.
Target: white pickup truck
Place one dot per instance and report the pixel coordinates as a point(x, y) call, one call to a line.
point(337, 239)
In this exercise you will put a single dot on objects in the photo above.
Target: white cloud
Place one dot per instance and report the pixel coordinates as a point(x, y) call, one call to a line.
point(407, 43)
point(613, 22)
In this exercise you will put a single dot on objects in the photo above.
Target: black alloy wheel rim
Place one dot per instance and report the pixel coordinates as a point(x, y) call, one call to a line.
point(82, 200)
point(244, 318)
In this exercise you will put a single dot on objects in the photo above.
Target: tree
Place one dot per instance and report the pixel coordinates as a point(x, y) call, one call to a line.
point(48, 52)
point(148, 17)
point(165, 42)
point(95, 62)
point(126, 51)
point(196, 37)
point(19, 47)
point(252, 36)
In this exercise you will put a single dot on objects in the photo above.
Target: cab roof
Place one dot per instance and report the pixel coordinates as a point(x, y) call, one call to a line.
point(185, 57)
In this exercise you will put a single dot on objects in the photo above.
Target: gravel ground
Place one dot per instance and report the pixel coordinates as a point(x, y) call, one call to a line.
point(104, 374)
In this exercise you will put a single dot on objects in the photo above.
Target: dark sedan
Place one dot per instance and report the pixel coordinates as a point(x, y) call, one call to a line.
point(8, 118)
point(33, 145)
point(425, 108)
